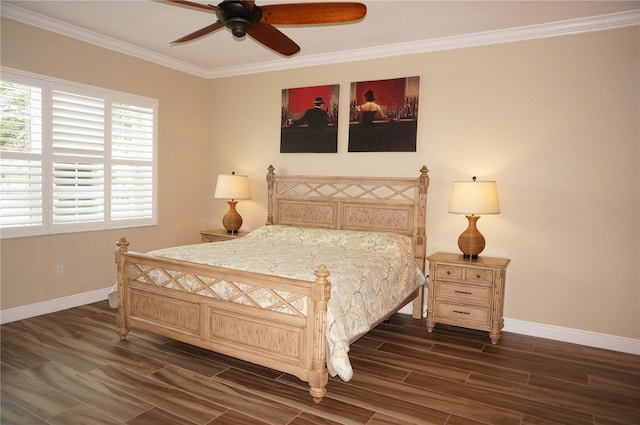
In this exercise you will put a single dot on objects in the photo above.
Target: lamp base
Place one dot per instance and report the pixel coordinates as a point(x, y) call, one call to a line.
point(471, 242)
point(232, 221)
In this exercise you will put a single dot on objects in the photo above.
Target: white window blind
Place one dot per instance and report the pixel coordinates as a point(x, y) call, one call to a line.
point(74, 157)
point(20, 154)
point(132, 131)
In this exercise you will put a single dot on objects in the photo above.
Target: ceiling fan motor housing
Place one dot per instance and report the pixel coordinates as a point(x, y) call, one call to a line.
point(238, 18)
point(243, 18)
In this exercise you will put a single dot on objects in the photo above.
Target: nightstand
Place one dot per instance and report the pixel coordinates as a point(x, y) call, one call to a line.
point(219, 235)
point(467, 293)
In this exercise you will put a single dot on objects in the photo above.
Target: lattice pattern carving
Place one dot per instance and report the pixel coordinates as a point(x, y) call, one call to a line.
point(347, 190)
point(250, 295)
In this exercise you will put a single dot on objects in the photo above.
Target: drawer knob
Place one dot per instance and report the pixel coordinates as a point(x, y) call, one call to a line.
point(461, 312)
point(448, 272)
point(462, 292)
point(478, 276)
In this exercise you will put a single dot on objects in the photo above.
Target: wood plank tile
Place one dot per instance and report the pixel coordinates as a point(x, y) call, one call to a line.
point(231, 417)
point(382, 396)
point(433, 399)
point(152, 391)
point(34, 396)
point(50, 348)
point(235, 398)
point(446, 366)
point(168, 355)
point(157, 416)
point(517, 360)
point(297, 396)
point(83, 415)
point(631, 387)
point(224, 360)
point(411, 362)
point(459, 420)
point(99, 396)
point(599, 420)
point(54, 325)
point(18, 357)
point(498, 397)
point(586, 398)
point(306, 418)
point(113, 353)
point(11, 414)
point(382, 419)
point(71, 367)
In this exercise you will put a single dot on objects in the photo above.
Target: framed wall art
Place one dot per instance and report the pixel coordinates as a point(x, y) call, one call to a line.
point(309, 119)
point(383, 115)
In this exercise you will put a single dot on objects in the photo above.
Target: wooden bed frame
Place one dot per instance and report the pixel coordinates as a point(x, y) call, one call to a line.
point(292, 342)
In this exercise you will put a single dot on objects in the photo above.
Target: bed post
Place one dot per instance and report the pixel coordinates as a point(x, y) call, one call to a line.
point(421, 242)
point(320, 294)
point(421, 236)
point(121, 321)
point(271, 177)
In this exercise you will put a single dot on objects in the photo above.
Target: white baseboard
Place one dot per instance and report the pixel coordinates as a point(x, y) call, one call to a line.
point(50, 306)
point(575, 336)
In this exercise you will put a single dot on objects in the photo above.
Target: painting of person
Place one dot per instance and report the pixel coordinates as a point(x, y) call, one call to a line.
point(384, 115)
point(309, 120)
point(369, 110)
point(316, 118)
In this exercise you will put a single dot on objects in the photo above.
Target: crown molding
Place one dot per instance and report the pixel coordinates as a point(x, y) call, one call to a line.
point(552, 29)
point(43, 22)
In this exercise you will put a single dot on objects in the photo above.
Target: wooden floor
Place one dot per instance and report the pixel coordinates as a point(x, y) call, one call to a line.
point(70, 368)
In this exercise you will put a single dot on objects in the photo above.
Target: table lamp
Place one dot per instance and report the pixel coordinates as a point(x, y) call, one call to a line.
point(232, 187)
point(473, 198)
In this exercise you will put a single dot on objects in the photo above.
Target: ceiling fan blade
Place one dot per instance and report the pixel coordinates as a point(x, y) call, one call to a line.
point(311, 13)
point(202, 31)
point(206, 7)
point(273, 39)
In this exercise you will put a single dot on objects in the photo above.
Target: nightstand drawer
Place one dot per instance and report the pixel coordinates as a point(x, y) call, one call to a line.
point(464, 274)
point(475, 275)
point(464, 293)
point(462, 315)
point(448, 272)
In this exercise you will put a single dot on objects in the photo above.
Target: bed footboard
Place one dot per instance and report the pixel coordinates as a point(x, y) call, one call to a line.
point(271, 321)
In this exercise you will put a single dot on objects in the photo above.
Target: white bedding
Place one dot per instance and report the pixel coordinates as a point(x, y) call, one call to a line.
point(371, 273)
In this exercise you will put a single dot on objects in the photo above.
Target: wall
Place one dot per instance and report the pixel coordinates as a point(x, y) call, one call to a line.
point(28, 264)
point(554, 121)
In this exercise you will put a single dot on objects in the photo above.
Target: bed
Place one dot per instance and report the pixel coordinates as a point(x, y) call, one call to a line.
point(282, 312)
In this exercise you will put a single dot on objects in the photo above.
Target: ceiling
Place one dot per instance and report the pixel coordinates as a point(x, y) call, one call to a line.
point(145, 29)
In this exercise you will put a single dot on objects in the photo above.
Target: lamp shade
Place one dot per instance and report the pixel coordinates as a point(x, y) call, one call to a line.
point(474, 197)
point(232, 186)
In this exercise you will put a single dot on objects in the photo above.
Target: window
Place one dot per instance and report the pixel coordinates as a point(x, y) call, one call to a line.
point(74, 157)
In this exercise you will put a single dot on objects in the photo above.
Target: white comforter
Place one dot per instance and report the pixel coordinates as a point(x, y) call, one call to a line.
point(371, 273)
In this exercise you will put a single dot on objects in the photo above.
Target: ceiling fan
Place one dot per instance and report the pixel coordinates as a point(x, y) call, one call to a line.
point(245, 17)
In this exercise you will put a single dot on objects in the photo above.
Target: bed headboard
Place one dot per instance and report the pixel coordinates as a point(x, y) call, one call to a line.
point(384, 204)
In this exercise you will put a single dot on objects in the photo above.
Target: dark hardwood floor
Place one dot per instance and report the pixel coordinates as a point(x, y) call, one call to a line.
point(71, 368)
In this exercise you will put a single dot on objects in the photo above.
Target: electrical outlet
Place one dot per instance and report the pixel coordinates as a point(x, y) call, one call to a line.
point(59, 270)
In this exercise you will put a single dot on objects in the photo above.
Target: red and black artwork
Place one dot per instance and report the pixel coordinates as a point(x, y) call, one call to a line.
point(309, 119)
point(383, 115)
